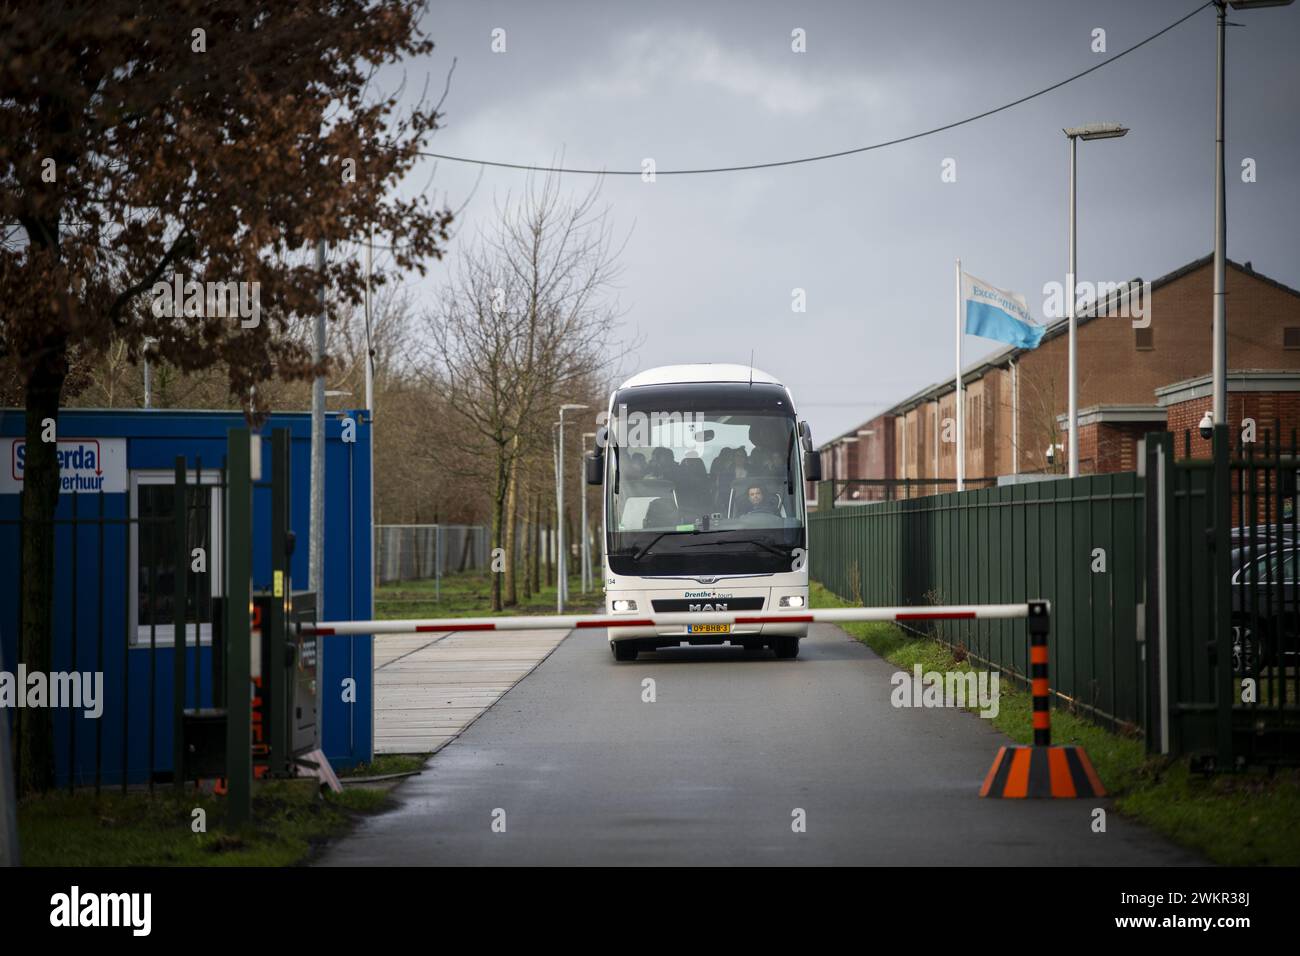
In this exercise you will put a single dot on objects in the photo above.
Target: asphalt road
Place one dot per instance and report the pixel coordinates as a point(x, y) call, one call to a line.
point(713, 771)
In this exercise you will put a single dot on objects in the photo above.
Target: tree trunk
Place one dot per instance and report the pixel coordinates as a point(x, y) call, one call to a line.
point(512, 521)
point(529, 553)
point(550, 545)
point(537, 544)
point(570, 538)
point(40, 498)
point(466, 552)
point(498, 523)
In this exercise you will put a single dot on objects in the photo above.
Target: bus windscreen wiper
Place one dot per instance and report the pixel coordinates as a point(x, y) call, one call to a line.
point(784, 550)
point(639, 553)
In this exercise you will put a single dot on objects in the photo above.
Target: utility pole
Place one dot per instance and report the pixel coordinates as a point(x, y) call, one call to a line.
point(1220, 326)
point(316, 543)
point(370, 412)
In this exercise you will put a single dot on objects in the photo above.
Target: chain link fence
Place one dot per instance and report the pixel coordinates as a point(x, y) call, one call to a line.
point(421, 552)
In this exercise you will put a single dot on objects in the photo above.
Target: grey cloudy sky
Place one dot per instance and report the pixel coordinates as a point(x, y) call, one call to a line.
point(712, 260)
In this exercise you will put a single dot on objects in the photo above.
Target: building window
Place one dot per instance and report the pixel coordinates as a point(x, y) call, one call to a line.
point(1291, 337)
point(1145, 338)
point(153, 557)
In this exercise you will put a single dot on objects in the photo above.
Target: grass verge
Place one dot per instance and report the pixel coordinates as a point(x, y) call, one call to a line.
point(468, 595)
point(384, 764)
point(290, 823)
point(1234, 819)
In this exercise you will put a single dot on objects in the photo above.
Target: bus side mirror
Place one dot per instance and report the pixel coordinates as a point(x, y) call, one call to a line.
point(812, 466)
point(595, 465)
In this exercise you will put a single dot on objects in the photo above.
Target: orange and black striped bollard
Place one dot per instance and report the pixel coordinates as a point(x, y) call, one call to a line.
point(1041, 770)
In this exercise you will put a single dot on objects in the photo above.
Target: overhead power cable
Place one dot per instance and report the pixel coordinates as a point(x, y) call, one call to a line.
point(823, 156)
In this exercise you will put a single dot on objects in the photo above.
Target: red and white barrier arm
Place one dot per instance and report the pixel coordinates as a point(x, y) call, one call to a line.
point(568, 622)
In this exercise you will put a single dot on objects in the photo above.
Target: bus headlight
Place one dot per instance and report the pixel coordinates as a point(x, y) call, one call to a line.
point(792, 600)
point(622, 606)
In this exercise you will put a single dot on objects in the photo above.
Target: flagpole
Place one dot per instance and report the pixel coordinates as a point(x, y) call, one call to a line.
point(961, 415)
point(1073, 360)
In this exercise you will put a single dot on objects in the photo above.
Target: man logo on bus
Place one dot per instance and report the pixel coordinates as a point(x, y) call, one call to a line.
point(709, 607)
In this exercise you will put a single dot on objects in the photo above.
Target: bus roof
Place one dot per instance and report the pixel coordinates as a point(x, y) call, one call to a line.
point(707, 372)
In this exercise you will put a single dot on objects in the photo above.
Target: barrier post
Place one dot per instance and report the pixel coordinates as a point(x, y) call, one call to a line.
point(1041, 770)
point(1040, 623)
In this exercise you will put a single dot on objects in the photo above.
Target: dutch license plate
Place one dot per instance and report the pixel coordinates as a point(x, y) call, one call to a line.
point(708, 629)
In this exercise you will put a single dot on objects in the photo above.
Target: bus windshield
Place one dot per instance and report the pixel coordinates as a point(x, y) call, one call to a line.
point(700, 489)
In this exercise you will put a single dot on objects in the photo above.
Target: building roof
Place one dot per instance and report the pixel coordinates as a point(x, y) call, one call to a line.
point(1238, 380)
point(1084, 314)
point(1116, 415)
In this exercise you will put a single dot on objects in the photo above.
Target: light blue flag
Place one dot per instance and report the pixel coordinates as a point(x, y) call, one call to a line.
point(996, 314)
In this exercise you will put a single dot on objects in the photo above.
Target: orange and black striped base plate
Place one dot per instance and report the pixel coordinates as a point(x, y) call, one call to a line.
point(1042, 772)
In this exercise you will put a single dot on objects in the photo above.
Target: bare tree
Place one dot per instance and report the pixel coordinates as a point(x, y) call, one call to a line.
point(1038, 426)
point(525, 324)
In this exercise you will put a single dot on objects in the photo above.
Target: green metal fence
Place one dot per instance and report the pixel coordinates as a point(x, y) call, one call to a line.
point(1079, 543)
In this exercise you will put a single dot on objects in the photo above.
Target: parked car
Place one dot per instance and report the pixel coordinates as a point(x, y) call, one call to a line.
point(1265, 609)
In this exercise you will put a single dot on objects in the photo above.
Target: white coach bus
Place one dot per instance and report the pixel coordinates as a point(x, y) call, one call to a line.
point(704, 506)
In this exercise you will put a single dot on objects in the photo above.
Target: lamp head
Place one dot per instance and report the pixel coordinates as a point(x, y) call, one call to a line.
point(1097, 131)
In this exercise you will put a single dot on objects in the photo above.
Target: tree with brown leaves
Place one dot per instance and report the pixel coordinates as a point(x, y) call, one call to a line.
point(215, 142)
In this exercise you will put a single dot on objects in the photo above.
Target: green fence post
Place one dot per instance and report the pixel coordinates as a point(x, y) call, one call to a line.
point(1221, 501)
point(180, 587)
point(1160, 730)
point(239, 731)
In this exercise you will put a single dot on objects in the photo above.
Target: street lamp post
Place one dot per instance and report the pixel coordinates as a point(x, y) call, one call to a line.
point(561, 564)
point(585, 549)
point(1220, 336)
point(555, 460)
point(1087, 132)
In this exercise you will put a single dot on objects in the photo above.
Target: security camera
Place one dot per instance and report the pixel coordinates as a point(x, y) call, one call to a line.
point(1051, 454)
point(1206, 427)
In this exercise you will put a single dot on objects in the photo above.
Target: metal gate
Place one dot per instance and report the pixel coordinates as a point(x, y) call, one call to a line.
point(1221, 600)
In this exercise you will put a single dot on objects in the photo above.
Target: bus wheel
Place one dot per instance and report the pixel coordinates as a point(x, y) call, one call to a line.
point(786, 647)
point(623, 650)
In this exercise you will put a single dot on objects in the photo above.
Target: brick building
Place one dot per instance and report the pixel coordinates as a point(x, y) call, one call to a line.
point(1135, 376)
point(866, 451)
